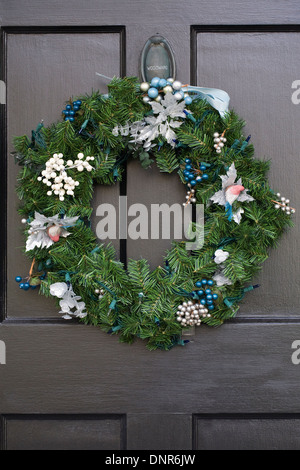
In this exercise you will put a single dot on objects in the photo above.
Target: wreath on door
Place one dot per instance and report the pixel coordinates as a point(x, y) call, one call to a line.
point(182, 129)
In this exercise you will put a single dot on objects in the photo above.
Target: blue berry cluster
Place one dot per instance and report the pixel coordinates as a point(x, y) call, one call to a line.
point(71, 110)
point(190, 174)
point(25, 284)
point(205, 293)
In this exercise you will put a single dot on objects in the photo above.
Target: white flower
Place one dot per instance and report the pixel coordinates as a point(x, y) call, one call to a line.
point(237, 215)
point(168, 107)
point(221, 279)
point(39, 230)
point(165, 119)
point(69, 300)
point(220, 256)
point(58, 289)
point(115, 131)
point(163, 123)
point(64, 305)
point(122, 130)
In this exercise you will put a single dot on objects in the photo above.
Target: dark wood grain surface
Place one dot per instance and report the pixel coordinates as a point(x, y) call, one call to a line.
point(230, 387)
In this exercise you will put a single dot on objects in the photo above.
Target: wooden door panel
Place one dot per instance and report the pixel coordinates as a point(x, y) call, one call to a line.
point(63, 432)
point(248, 432)
point(149, 187)
point(240, 368)
point(35, 60)
point(257, 66)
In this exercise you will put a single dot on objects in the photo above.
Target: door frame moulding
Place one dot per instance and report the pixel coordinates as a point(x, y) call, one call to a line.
point(5, 418)
point(247, 28)
point(5, 31)
point(209, 417)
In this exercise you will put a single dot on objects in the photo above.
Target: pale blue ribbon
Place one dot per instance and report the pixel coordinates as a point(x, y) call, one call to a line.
point(218, 99)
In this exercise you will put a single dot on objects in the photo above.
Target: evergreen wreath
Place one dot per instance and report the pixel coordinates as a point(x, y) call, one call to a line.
point(149, 122)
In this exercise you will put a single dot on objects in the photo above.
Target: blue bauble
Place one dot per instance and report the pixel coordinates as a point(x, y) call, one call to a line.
point(210, 282)
point(209, 297)
point(71, 113)
point(26, 285)
point(207, 291)
point(193, 182)
point(198, 284)
point(67, 118)
point(200, 292)
point(186, 178)
point(68, 107)
point(71, 119)
point(188, 167)
point(204, 282)
point(205, 176)
point(33, 287)
point(209, 302)
point(187, 160)
point(191, 176)
point(155, 82)
point(152, 92)
point(186, 172)
point(78, 102)
point(203, 301)
point(75, 107)
point(188, 100)
point(202, 167)
point(21, 285)
point(162, 83)
point(198, 179)
point(215, 296)
point(18, 279)
point(210, 307)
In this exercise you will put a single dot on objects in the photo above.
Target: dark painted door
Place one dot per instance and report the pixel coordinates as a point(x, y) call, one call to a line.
point(73, 386)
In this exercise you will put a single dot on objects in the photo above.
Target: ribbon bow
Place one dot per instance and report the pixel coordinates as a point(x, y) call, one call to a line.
point(218, 99)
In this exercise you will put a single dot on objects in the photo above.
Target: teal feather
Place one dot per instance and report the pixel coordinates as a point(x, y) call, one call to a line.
point(228, 208)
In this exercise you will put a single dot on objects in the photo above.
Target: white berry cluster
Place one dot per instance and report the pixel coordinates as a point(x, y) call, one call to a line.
point(190, 313)
point(190, 197)
point(219, 142)
point(55, 175)
point(100, 293)
point(284, 205)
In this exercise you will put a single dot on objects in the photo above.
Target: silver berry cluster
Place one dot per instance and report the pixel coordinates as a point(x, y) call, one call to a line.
point(284, 205)
point(100, 293)
point(55, 175)
point(190, 313)
point(219, 141)
point(190, 197)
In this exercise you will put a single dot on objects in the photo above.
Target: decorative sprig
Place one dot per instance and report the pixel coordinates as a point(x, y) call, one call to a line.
point(57, 170)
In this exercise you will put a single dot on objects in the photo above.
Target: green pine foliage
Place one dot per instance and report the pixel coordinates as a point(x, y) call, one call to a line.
point(138, 302)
